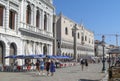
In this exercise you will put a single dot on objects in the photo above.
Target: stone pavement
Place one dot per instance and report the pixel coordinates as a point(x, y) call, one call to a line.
point(74, 73)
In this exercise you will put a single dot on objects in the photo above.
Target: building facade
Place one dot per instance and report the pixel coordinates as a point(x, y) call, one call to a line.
point(65, 41)
point(99, 48)
point(26, 28)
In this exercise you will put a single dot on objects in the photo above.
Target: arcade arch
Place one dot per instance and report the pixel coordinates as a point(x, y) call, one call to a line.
point(2, 52)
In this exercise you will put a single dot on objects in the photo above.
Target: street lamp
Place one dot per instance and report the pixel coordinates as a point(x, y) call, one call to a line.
point(103, 45)
point(74, 29)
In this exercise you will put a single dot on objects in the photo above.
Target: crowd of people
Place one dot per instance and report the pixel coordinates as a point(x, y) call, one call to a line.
point(49, 66)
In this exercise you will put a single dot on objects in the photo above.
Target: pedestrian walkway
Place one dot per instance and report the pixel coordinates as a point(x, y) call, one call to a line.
point(105, 78)
point(74, 73)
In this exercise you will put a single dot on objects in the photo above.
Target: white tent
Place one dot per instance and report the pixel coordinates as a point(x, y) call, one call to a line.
point(114, 51)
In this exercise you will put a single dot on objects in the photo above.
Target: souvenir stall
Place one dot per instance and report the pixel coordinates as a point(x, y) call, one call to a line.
point(114, 65)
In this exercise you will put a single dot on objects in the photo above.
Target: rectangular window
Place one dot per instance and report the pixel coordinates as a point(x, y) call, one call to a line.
point(12, 20)
point(37, 20)
point(27, 17)
point(1, 16)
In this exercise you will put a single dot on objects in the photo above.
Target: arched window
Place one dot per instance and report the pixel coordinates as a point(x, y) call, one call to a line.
point(37, 18)
point(28, 15)
point(45, 21)
point(66, 31)
point(82, 38)
point(45, 49)
point(12, 19)
point(1, 15)
point(12, 49)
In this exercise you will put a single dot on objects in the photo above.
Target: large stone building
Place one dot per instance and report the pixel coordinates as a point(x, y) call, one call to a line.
point(26, 28)
point(65, 41)
point(99, 48)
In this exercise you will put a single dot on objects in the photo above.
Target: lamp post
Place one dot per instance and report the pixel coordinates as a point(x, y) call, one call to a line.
point(74, 29)
point(103, 45)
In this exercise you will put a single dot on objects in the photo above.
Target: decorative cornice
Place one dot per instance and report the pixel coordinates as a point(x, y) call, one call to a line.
point(35, 33)
point(47, 3)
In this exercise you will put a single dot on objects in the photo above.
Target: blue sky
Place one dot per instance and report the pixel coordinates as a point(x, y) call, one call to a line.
point(99, 16)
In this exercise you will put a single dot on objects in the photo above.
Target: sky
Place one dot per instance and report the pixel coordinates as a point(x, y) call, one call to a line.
point(99, 16)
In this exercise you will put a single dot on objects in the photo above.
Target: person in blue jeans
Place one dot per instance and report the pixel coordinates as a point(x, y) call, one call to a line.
point(42, 66)
point(52, 67)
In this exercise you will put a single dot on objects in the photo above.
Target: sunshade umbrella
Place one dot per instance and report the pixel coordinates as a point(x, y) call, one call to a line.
point(11, 56)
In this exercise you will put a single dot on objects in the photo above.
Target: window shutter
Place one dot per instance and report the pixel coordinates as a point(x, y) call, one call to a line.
point(1, 16)
point(13, 20)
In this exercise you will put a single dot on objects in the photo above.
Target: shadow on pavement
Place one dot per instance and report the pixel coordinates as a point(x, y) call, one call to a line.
point(87, 80)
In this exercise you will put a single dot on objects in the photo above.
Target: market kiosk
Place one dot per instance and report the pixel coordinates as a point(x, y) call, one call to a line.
point(114, 65)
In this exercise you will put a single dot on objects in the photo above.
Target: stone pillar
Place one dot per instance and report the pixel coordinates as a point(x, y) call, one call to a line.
point(27, 46)
point(24, 15)
point(35, 10)
point(36, 46)
point(41, 45)
point(23, 46)
point(32, 15)
point(7, 54)
point(4, 17)
point(51, 23)
point(7, 16)
point(33, 47)
point(42, 20)
point(50, 49)
point(48, 23)
point(40, 48)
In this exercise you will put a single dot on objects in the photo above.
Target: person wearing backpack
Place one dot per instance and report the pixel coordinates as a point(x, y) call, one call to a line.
point(82, 63)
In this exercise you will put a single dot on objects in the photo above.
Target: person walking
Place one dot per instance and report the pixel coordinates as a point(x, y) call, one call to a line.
point(38, 67)
point(52, 67)
point(82, 63)
point(47, 67)
point(42, 67)
point(86, 63)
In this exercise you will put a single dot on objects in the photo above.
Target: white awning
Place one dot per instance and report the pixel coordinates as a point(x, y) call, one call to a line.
point(114, 51)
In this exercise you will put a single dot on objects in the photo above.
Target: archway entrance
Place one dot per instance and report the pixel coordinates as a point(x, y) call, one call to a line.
point(13, 51)
point(2, 52)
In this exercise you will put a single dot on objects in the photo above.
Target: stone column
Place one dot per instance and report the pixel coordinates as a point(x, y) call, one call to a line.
point(7, 16)
point(36, 48)
point(41, 48)
point(32, 15)
point(24, 15)
point(35, 10)
point(48, 29)
point(33, 47)
point(42, 19)
point(51, 23)
point(50, 49)
point(27, 46)
point(23, 47)
point(7, 53)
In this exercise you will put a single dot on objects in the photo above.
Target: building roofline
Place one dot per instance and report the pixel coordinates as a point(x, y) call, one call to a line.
point(49, 4)
point(80, 25)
